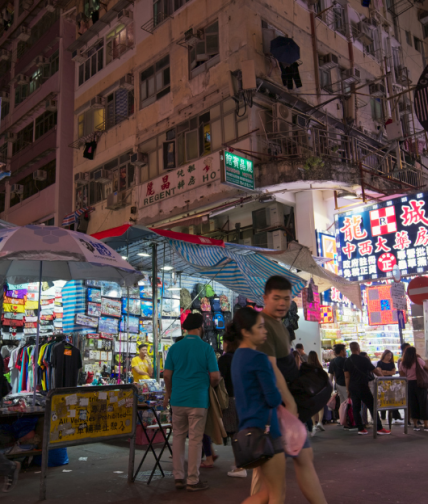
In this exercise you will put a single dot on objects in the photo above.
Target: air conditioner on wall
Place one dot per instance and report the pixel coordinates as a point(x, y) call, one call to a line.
point(280, 114)
point(102, 176)
point(98, 102)
point(329, 61)
point(268, 217)
point(40, 61)
point(23, 33)
point(81, 178)
point(127, 82)
point(79, 56)
point(377, 90)
point(191, 38)
point(352, 75)
point(17, 189)
point(40, 175)
point(139, 159)
point(51, 105)
point(116, 200)
point(5, 97)
point(22, 79)
point(277, 240)
point(4, 55)
point(125, 16)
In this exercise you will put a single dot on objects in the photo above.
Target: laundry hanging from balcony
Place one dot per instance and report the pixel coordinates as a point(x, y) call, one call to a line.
point(287, 52)
point(73, 218)
point(89, 151)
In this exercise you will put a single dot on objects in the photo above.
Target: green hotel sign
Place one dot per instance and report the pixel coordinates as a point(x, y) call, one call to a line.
point(237, 171)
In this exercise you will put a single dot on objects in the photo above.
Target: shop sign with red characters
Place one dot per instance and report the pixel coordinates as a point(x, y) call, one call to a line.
point(372, 240)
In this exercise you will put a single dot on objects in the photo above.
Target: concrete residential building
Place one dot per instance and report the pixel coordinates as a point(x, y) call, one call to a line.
point(36, 86)
point(162, 87)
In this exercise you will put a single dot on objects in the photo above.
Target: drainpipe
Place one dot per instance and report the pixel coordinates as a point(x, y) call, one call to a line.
point(315, 54)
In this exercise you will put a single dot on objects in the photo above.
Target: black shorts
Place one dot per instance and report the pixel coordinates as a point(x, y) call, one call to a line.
point(278, 447)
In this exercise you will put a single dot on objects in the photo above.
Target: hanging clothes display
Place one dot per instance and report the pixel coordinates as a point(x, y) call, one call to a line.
point(66, 361)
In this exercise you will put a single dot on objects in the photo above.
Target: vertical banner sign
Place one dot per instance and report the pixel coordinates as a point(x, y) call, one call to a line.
point(372, 240)
point(237, 171)
point(311, 310)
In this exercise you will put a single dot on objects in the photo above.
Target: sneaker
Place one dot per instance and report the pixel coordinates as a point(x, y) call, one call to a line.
point(320, 426)
point(353, 429)
point(237, 473)
point(363, 432)
point(383, 432)
point(180, 484)
point(198, 487)
point(11, 479)
point(314, 431)
point(416, 429)
point(399, 421)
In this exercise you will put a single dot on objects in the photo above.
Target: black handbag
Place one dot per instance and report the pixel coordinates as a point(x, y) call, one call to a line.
point(252, 447)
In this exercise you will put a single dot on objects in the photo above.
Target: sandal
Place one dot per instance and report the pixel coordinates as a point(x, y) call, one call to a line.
point(204, 465)
point(215, 457)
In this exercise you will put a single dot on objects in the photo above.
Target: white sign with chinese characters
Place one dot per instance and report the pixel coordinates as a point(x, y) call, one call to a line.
point(398, 295)
point(176, 182)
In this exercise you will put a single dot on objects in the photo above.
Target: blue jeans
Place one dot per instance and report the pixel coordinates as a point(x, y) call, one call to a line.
point(6, 465)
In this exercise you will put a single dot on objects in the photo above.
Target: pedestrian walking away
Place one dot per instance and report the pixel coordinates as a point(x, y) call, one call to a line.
point(257, 398)
point(357, 376)
point(417, 395)
point(317, 419)
point(190, 368)
point(336, 372)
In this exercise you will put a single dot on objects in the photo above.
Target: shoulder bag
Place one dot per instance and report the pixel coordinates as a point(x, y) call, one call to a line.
point(252, 447)
point(421, 376)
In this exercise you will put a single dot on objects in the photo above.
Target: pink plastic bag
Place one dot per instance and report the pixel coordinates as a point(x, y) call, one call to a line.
point(293, 431)
point(332, 402)
point(343, 411)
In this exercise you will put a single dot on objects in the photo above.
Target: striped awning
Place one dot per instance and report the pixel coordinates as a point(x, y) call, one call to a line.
point(246, 274)
point(74, 217)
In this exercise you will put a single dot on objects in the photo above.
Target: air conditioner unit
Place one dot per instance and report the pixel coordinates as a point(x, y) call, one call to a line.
point(40, 61)
point(4, 55)
point(40, 175)
point(352, 75)
point(365, 35)
point(23, 33)
point(127, 82)
point(5, 97)
point(209, 226)
point(22, 79)
point(377, 90)
point(17, 189)
point(116, 200)
point(98, 102)
point(51, 105)
point(102, 176)
point(277, 240)
point(191, 38)
point(81, 178)
point(78, 56)
point(194, 230)
point(268, 217)
point(329, 61)
point(125, 16)
point(50, 7)
point(423, 17)
point(9, 136)
point(280, 114)
point(405, 107)
point(139, 159)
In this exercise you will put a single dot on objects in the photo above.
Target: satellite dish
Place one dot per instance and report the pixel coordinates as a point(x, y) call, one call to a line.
point(396, 274)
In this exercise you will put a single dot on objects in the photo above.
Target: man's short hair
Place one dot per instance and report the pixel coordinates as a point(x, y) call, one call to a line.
point(339, 348)
point(299, 346)
point(193, 321)
point(277, 283)
point(143, 345)
point(354, 346)
point(404, 346)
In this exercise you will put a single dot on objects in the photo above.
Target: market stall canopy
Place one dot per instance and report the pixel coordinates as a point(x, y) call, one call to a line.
point(66, 255)
point(300, 257)
point(239, 269)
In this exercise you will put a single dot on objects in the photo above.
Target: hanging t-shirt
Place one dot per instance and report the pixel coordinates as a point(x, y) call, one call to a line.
point(66, 361)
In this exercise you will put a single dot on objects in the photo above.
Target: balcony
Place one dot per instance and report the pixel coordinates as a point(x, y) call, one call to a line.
point(302, 154)
point(34, 152)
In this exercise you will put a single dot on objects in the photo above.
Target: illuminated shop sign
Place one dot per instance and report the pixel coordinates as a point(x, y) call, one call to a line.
point(371, 241)
point(380, 306)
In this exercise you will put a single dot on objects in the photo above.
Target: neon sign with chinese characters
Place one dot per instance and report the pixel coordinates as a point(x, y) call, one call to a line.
point(371, 241)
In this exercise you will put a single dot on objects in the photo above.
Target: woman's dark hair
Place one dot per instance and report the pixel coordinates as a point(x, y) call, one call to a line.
point(232, 342)
point(313, 359)
point(409, 357)
point(245, 318)
point(385, 353)
point(297, 358)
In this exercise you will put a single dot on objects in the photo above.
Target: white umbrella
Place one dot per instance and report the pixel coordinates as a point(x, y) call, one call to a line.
point(36, 253)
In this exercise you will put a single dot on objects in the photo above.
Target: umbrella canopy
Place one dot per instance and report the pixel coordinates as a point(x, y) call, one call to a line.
point(66, 255)
point(285, 50)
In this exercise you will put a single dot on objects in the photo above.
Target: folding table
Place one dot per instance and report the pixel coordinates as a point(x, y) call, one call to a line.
point(165, 429)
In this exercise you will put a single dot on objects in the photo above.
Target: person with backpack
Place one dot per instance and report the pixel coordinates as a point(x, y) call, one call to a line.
point(357, 376)
point(336, 372)
point(317, 419)
point(277, 300)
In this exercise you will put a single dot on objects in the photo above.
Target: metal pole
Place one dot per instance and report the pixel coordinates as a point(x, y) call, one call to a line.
point(36, 354)
point(127, 337)
point(155, 311)
point(375, 409)
point(406, 411)
point(45, 449)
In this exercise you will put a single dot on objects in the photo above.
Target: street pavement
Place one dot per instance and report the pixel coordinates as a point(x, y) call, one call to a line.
point(353, 470)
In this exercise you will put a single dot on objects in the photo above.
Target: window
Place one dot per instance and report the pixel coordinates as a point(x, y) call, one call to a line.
point(409, 38)
point(2, 201)
point(89, 121)
point(162, 9)
point(93, 64)
point(119, 41)
point(325, 76)
point(5, 106)
point(339, 20)
point(155, 82)
point(23, 138)
point(377, 109)
point(205, 53)
point(32, 186)
point(120, 105)
point(39, 29)
point(418, 44)
point(44, 123)
point(90, 6)
point(425, 30)
point(3, 153)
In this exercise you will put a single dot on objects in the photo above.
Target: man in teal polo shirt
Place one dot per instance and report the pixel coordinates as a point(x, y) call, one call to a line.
point(190, 368)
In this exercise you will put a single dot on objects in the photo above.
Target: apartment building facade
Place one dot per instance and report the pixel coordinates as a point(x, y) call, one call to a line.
point(37, 91)
point(164, 89)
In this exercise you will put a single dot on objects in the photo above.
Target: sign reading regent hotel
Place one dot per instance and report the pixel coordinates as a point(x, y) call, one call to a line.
point(176, 182)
